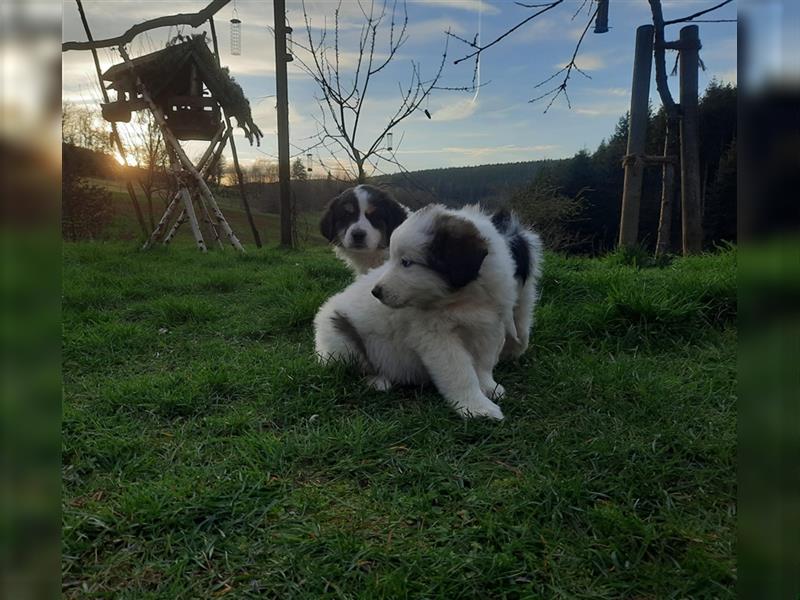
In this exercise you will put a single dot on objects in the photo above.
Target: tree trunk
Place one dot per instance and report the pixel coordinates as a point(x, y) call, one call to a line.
point(667, 189)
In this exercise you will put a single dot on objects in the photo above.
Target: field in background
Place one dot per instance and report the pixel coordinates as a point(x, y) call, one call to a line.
point(125, 226)
point(205, 452)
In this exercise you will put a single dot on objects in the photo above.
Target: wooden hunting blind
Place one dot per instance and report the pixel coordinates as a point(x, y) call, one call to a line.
point(185, 82)
point(191, 98)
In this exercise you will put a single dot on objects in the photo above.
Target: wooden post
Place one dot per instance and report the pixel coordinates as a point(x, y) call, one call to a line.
point(239, 177)
point(242, 192)
point(690, 141)
point(178, 222)
point(667, 189)
point(162, 224)
point(114, 132)
point(189, 208)
point(637, 136)
point(281, 85)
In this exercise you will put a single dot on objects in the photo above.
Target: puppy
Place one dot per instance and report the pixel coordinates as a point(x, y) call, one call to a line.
point(526, 251)
point(359, 223)
point(438, 310)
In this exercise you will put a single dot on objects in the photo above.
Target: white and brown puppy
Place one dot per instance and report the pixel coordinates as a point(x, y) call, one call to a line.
point(359, 223)
point(526, 251)
point(438, 310)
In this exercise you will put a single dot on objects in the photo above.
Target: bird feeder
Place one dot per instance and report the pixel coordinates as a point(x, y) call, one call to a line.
point(289, 44)
point(187, 86)
point(309, 163)
point(236, 33)
point(601, 20)
point(389, 141)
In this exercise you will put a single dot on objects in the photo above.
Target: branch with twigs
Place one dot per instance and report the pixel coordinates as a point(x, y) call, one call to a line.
point(567, 69)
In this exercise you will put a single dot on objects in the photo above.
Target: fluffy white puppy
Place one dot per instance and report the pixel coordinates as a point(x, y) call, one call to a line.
point(438, 310)
point(359, 222)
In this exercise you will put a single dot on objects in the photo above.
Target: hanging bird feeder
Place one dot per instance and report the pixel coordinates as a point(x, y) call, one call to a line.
point(236, 33)
point(389, 141)
point(309, 163)
point(289, 44)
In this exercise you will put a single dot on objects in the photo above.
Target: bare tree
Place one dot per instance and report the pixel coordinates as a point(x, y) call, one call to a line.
point(343, 94)
point(151, 157)
point(83, 126)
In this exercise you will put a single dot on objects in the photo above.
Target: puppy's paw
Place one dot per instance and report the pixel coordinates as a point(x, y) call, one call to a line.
point(487, 409)
point(379, 383)
point(494, 391)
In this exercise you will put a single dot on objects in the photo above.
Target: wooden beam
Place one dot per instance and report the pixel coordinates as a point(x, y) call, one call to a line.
point(637, 136)
point(282, 93)
point(690, 141)
point(191, 19)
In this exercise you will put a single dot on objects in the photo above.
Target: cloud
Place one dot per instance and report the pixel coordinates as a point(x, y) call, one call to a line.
point(467, 5)
point(587, 62)
point(483, 151)
point(455, 111)
point(601, 110)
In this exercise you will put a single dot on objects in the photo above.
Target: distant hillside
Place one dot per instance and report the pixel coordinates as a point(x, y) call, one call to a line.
point(460, 185)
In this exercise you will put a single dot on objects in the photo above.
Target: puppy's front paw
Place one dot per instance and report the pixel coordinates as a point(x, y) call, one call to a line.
point(379, 383)
point(486, 409)
point(494, 391)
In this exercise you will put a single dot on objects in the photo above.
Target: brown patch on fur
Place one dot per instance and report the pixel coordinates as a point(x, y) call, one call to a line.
point(457, 250)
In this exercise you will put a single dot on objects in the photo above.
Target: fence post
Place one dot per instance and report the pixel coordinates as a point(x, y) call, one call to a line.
point(692, 224)
point(637, 136)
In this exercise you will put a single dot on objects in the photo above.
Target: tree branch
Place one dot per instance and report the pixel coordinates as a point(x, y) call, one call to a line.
point(192, 19)
point(480, 49)
point(698, 14)
point(567, 70)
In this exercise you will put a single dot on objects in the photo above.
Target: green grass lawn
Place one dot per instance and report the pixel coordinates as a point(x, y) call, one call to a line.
point(206, 453)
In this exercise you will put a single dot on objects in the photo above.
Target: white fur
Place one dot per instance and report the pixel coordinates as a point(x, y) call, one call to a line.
point(453, 338)
point(527, 296)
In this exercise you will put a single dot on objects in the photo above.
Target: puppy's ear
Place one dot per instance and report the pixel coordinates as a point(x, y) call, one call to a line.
point(393, 215)
point(326, 225)
point(457, 250)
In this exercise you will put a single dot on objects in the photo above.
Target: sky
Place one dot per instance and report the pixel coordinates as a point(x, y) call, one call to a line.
point(498, 124)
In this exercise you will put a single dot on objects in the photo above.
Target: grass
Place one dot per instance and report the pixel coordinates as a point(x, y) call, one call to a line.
point(125, 226)
point(206, 453)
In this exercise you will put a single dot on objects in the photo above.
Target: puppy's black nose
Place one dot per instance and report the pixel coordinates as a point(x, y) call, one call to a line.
point(377, 291)
point(359, 235)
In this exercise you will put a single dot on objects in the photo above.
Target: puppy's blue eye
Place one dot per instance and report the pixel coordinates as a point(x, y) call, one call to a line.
point(406, 262)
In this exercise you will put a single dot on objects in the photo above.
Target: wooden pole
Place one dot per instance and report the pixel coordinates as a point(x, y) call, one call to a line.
point(637, 136)
point(189, 208)
point(114, 132)
point(667, 189)
point(281, 90)
point(690, 141)
point(235, 155)
point(179, 221)
point(242, 192)
point(162, 224)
